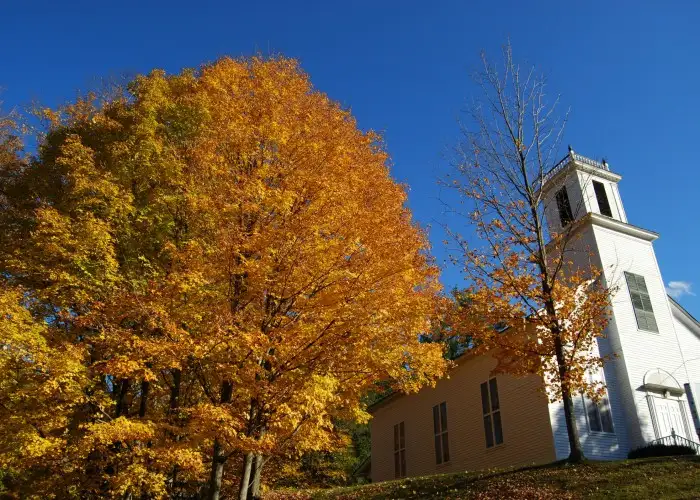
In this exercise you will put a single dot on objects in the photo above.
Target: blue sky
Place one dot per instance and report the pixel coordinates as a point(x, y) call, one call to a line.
point(628, 71)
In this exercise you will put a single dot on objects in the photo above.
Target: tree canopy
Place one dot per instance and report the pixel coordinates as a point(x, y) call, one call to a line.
point(210, 264)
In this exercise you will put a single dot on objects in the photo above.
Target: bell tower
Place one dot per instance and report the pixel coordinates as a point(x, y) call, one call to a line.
point(647, 371)
point(578, 186)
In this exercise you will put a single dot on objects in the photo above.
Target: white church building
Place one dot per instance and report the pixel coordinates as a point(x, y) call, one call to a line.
point(475, 420)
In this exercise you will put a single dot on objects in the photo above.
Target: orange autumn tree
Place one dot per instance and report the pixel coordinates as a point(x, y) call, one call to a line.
point(230, 256)
point(534, 298)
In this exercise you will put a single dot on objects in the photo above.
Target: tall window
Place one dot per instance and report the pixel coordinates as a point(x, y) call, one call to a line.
point(492, 413)
point(598, 413)
point(442, 447)
point(399, 451)
point(565, 214)
point(602, 198)
point(641, 302)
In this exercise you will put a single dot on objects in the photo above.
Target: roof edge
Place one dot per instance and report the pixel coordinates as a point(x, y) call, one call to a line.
point(685, 312)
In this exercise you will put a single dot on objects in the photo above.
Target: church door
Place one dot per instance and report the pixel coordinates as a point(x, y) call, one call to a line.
point(669, 417)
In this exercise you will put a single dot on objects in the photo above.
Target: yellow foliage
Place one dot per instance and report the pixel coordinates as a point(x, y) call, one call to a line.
point(228, 258)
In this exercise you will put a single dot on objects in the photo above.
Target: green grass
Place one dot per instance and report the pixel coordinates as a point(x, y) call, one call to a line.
point(657, 478)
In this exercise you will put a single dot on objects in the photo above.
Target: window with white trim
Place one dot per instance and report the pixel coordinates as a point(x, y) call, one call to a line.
point(442, 446)
point(602, 198)
point(399, 450)
point(641, 302)
point(598, 413)
point(564, 207)
point(491, 408)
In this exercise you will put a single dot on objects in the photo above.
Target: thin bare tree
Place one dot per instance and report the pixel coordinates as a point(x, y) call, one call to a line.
point(531, 299)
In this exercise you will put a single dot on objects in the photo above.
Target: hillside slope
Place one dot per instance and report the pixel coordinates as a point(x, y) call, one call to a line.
point(658, 478)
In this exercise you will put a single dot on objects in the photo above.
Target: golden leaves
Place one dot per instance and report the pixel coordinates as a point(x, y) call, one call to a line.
point(228, 256)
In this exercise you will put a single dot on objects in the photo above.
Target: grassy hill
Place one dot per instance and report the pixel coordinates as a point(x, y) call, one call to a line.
point(657, 478)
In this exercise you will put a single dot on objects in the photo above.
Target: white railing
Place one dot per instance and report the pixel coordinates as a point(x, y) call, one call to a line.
point(573, 157)
point(676, 440)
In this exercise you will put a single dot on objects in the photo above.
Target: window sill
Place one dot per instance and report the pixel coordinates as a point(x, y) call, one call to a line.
point(495, 447)
point(601, 433)
point(648, 331)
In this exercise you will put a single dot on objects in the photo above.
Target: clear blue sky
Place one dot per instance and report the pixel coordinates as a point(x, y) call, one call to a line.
point(628, 70)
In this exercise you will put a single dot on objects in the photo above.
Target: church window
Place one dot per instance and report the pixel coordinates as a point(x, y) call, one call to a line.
point(598, 412)
point(491, 408)
point(399, 450)
point(641, 302)
point(442, 447)
point(565, 214)
point(602, 198)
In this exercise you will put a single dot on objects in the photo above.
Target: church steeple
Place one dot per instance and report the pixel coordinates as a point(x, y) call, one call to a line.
point(577, 186)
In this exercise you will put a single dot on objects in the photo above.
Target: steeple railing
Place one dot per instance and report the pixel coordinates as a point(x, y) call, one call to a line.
point(572, 156)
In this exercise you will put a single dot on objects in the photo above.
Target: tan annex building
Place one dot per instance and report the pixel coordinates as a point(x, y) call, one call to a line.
point(526, 433)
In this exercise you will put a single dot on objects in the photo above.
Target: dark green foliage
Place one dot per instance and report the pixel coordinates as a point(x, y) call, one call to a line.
point(661, 450)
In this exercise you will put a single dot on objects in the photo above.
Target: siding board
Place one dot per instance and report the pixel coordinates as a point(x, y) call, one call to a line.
point(526, 428)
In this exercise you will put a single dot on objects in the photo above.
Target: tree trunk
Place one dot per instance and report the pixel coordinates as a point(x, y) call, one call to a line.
point(175, 391)
point(245, 477)
point(254, 489)
point(145, 387)
point(218, 457)
point(121, 397)
point(174, 405)
point(217, 472)
point(576, 452)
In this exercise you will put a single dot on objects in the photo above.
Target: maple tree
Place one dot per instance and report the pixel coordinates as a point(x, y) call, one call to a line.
point(534, 298)
point(228, 266)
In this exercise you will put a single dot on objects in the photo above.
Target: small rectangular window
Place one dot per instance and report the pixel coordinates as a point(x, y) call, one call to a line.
point(399, 450)
point(641, 302)
point(491, 408)
point(602, 198)
point(564, 207)
point(598, 413)
point(442, 446)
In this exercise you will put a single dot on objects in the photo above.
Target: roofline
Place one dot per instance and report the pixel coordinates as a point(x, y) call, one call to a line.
point(392, 396)
point(685, 312)
point(623, 227)
point(580, 162)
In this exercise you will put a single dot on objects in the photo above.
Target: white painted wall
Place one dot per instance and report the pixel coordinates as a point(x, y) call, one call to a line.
point(640, 350)
point(689, 338)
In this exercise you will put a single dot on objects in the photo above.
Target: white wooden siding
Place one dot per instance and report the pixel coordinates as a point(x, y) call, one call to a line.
point(640, 351)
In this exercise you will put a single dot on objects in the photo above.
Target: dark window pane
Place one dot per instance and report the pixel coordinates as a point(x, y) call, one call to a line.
point(436, 419)
point(397, 465)
point(493, 389)
point(637, 301)
point(651, 322)
point(396, 437)
point(438, 449)
point(593, 415)
point(497, 429)
point(564, 207)
point(605, 415)
point(443, 414)
point(484, 398)
point(403, 463)
point(642, 284)
point(402, 436)
point(488, 431)
point(602, 198)
point(445, 448)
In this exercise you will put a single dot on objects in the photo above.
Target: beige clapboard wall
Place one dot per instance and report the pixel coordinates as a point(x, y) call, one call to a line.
point(527, 430)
